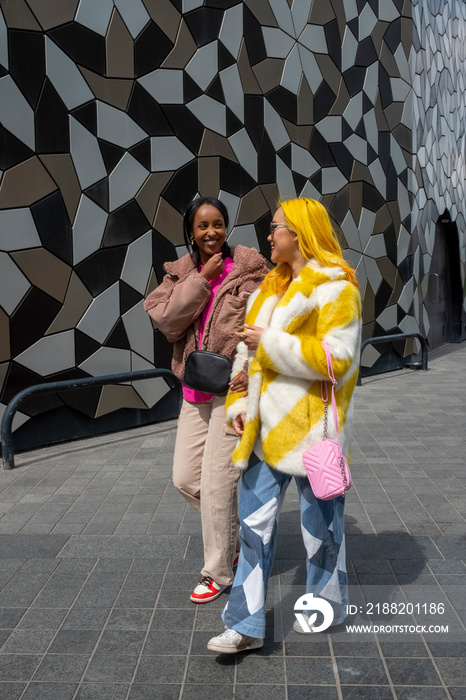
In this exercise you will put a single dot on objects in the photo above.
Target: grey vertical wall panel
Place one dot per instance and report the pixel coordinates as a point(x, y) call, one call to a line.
point(17, 230)
point(15, 113)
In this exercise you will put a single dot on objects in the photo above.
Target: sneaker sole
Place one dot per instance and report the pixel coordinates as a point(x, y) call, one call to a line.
point(299, 630)
point(249, 646)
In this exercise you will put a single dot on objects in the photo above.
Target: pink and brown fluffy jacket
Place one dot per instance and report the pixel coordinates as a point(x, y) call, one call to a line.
point(179, 300)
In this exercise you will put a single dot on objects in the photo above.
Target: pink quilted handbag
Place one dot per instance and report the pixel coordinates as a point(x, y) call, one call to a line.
point(325, 464)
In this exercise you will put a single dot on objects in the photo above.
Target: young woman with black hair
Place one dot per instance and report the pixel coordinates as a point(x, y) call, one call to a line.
point(200, 304)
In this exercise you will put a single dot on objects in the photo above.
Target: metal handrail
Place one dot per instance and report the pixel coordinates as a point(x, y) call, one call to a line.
point(53, 387)
point(388, 338)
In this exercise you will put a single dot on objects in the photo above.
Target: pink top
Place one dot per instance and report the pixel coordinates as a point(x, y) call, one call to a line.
point(193, 394)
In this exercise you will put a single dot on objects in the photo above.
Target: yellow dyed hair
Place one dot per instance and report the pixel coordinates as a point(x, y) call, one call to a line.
point(308, 218)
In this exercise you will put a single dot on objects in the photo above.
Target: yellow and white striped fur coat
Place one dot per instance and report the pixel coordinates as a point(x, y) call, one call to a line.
point(284, 409)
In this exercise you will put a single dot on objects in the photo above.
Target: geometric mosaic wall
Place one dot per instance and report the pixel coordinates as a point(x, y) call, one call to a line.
point(438, 65)
point(114, 114)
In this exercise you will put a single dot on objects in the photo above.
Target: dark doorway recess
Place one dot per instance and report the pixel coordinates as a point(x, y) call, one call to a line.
point(445, 296)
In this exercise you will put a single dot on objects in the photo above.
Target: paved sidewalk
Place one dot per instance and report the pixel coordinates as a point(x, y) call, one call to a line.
point(98, 555)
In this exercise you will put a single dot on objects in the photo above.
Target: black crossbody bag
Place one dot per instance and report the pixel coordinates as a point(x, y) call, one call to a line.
point(207, 371)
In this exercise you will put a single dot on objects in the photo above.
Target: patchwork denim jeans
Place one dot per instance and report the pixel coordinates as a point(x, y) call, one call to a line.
point(322, 525)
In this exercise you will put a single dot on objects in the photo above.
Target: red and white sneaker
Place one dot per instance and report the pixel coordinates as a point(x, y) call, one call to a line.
point(206, 590)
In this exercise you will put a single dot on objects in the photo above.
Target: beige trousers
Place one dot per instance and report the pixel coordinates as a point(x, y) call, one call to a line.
point(204, 474)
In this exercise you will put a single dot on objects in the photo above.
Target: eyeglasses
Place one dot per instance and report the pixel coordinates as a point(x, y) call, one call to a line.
point(273, 226)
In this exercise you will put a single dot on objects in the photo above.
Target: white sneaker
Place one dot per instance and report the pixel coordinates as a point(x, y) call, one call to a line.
point(297, 628)
point(231, 642)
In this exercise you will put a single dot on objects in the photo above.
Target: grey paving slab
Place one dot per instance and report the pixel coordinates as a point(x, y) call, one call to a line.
point(117, 546)
point(164, 669)
point(358, 692)
point(46, 618)
point(433, 693)
point(153, 691)
point(98, 555)
point(34, 546)
point(103, 691)
point(10, 617)
point(51, 691)
point(61, 668)
point(24, 641)
point(18, 667)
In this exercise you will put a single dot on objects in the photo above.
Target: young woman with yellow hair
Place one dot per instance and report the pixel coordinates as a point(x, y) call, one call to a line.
point(311, 296)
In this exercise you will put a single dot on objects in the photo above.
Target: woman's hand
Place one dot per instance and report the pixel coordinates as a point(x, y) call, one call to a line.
point(213, 267)
point(251, 336)
point(238, 424)
point(239, 383)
